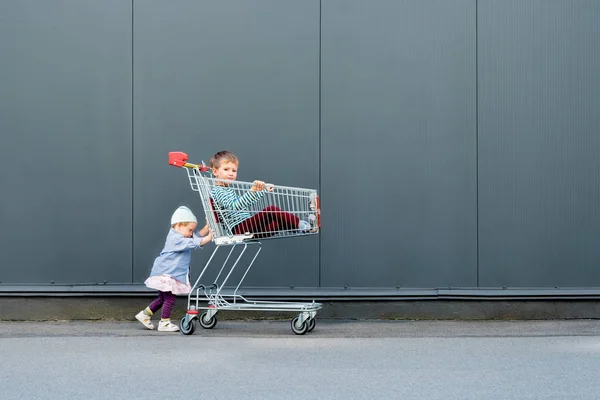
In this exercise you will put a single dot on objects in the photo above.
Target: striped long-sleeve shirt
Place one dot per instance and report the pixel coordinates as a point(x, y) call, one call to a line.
point(232, 208)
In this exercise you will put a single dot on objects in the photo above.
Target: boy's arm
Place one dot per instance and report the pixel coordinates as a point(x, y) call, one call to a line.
point(230, 201)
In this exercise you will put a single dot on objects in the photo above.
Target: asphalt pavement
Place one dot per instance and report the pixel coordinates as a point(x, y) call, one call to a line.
point(340, 359)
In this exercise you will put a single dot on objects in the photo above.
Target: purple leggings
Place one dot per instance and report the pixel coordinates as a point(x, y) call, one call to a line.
point(166, 300)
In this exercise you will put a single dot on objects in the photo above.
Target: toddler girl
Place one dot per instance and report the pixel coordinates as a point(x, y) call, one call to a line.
point(170, 272)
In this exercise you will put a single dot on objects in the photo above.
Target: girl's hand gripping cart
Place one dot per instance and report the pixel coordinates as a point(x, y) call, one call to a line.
point(275, 212)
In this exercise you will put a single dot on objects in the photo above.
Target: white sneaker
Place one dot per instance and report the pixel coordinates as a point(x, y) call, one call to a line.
point(312, 220)
point(313, 217)
point(167, 326)
point(313, 201)
point(304, 226)
point(144, 319)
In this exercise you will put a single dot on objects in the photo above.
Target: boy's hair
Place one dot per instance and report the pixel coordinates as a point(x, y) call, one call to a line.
point(221, 156)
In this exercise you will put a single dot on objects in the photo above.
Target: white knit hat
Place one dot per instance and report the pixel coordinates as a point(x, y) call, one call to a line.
point(183, 214)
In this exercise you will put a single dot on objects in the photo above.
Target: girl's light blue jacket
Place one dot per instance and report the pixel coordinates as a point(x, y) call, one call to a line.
point(174, 259)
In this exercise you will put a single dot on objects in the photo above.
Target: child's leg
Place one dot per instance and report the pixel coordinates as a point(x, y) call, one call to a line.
point(271, 219)
point(158, 302)
point(270, 230)
point(145, 315)
point(286, 220)
point(165, 324)
point(258, 223)
point(169, 302)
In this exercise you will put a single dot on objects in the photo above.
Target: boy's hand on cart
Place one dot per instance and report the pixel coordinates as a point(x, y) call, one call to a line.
point(269, 187)
point(258, 186)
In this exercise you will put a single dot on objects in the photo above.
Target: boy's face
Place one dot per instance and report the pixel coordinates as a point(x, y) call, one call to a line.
point(186, 230)
point(227, 170)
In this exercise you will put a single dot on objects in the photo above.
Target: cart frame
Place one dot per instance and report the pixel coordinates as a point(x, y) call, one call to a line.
point(217, 297)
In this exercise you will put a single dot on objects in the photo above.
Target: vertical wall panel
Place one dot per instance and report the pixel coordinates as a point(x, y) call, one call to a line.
point(65, 131)
point(234, 75)
point(539, 140)
point(398, 143)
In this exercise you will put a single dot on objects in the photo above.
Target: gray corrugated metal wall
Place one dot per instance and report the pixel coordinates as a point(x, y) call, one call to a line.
point(539, 143)
point(398, 143)
point(454, 142)
point(65, 158)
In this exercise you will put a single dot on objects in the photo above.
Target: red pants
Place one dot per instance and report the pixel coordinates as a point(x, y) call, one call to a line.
point(267, 222)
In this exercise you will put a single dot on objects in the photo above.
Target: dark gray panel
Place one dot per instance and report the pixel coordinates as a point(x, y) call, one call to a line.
point(539, 97)
point(65, 158)
point(235, 75)
point(398, 143)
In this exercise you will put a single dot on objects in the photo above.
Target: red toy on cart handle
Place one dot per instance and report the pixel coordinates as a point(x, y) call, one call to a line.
point(179, 159)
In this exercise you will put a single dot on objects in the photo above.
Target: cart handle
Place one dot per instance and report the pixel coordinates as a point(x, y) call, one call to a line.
point(179, 159)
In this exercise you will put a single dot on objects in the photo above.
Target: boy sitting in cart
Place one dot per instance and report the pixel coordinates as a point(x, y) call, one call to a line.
point(234, 206)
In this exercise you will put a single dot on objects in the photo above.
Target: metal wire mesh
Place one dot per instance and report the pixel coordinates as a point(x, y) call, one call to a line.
point(235, 208)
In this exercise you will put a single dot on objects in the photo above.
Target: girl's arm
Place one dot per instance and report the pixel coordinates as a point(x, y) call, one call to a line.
point(206, 239)
point(206, 235)
point(183, 243)
point(204, 231)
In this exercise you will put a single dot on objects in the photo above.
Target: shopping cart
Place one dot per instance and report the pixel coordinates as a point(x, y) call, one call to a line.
point(302, 203)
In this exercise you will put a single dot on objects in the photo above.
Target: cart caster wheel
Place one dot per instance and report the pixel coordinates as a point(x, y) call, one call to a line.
point(187, 325)
point(311, 325)
point(207, 323)
point(297, 328)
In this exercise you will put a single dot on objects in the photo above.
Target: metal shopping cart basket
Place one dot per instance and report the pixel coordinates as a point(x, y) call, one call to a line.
point(302, 203)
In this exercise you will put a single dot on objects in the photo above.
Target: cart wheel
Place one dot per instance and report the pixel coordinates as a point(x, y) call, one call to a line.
point(311, 325)
point(187, 326)
point(207, 323)
point(297, 328)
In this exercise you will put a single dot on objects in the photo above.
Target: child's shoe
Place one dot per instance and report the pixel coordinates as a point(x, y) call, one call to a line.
point(314, 201)
point(304, 226)
point(312, 220)
point(144, 319)
point(167, 326)
point(308, 226)
point(313, 217)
